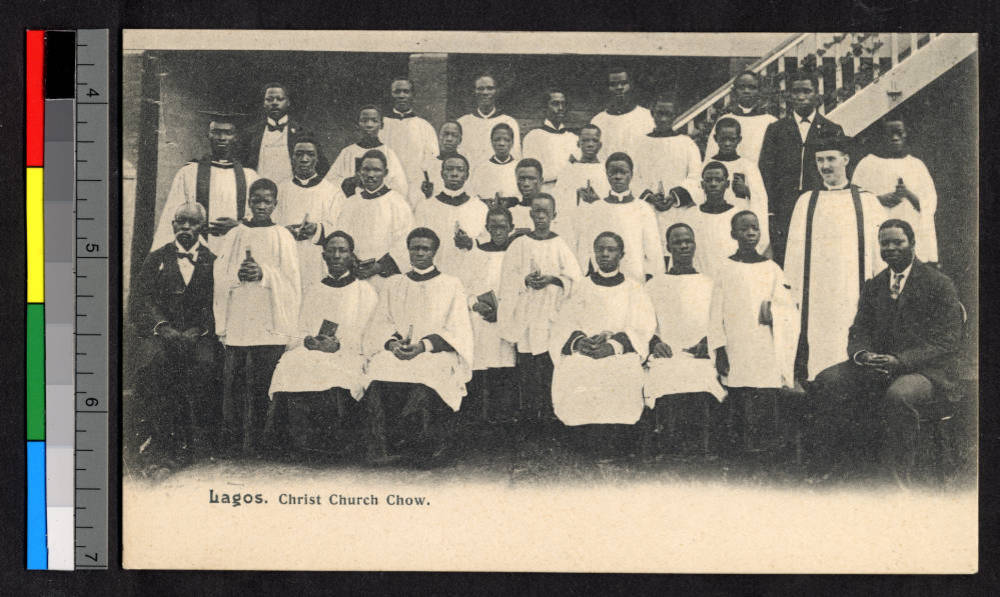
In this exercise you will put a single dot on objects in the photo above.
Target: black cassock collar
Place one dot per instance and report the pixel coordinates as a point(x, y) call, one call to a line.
point(748, 257)
point(418, 277)
point(600, 280)
point(339, 282)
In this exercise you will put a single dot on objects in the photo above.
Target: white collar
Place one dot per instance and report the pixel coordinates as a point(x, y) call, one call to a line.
point(811, 117)
point(423, 272)
point(494, 159)
point(842, 187)
point(306, 180)
point(403, 113)
point(744, 111)
point(454, 193)
point(600, 273)
point(490, 115)
point(364, 190)
point(621, 196)
point(193, 250)
point(549, 124)
point(281, 120)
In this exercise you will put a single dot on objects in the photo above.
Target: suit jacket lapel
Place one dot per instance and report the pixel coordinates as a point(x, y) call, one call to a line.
point(172, 272)
point(912, 285)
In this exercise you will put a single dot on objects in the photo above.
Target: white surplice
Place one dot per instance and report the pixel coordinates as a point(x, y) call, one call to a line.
point(575, 176)
point(620, 131)
point(434, 306)
point(760, 356)
point(525, 314)
point(263, 312)
point(441, 218)
point(758, 194)
point(551, 149)
point(491, 177)
point(221, 198)
point(481, 276)
point(345, 166)
point(880, 175)
point(477, 145)
point(682, 304)
point(378, 226)
point(607, 390)
point(671, 161)
point(752, 129)
point(634, 221)
point(303, 370)
point(834, 286)
point(295, 203)
point(414, 141)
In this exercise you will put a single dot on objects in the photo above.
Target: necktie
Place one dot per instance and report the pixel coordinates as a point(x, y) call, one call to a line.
point(189, 256)
point(897, 279)
point(276, 127)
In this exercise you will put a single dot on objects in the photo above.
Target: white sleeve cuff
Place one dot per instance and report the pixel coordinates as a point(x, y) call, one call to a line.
point(617, 346)
point(428, 347)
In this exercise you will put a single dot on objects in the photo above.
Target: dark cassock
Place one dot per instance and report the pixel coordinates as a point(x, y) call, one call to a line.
point(219, 185)
point(413, 400)
point(255, 321)
point(175, 400)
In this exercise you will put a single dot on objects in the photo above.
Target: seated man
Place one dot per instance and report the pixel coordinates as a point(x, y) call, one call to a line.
point(901, 355)
point(420, 339)
point(177, 351)
point(320, 378)
point(680, 376)
point(598, 343)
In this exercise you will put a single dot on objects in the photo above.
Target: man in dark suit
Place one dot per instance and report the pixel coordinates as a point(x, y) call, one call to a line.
point(788, 158)
point(902, 352)
point(263, 142)
point(176, 352)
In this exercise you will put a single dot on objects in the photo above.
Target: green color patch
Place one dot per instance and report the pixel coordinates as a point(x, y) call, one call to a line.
point(35, 360)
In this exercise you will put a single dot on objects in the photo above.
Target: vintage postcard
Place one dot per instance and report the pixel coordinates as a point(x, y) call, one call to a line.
point(555, 302)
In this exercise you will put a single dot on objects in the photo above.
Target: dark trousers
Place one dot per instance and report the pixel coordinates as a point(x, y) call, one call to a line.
point(759, 419)
point(858, 413)
point(491, 394)
point(535, 374)
point(604, 440)
point(246, 377)
point(174, 404)
point(323, 423)
point(681, 423)
point(406, 420)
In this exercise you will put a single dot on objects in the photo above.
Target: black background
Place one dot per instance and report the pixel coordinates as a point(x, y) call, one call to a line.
point(705, 15)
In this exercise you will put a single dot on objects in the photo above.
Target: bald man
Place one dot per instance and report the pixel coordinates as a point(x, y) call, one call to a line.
point(176, 353)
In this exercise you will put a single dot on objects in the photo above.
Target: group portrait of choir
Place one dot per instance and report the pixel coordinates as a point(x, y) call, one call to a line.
point(557, 283)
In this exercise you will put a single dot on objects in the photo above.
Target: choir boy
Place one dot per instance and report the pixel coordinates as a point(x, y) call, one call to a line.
point(449, 140)
point(598, 343)
point(320, 377)
point(454, 215)
point(746, 182)
point(746, 110)
point(496, 178)
point(409, 136)
point(711, 220)
point(582, 180)
point(343, 172)
point(664, 158)
point(378, 219)
point(538, 274)
point(552, 144)
point(903, 186)
point(217, 181)
point(421, 349)
point(256, 307)
point(306, 207)
point(753, 331)
point(623, 121)
point(479, 124)
point(680, 375)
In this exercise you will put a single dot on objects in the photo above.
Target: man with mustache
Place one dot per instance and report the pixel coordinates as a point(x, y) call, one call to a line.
point(217, 181)
point(832, 249)
point(270, 143)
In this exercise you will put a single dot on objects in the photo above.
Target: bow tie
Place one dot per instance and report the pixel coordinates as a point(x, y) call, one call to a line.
point(189, 256)
point(276, 127)
point(623, 199)
point(401, 116)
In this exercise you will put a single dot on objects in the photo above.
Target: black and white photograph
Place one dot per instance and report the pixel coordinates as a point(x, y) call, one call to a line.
point(560, 302)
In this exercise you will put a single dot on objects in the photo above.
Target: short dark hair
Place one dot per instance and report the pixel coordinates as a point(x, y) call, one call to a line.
point(729, 122)
point(665, 96)
point(499, 127)
point(892, 118)
point(486, 73)
point(276, 85)
point(339, 234)
point(402, 78)
point(423, 232)
point(715, 165)
point(746, 72)
point(619, 156)
point(500, 210)
point(615, 237)
point(740, 214)
point(530, 163)
point(377, 154)
point(370, 107)
point(305, 138)
point(265, 184)
point(902, 225)
point(456, 155)
point(676, 226)
point(550, 90)
point(544, 196)
point(615, 69)
point(454, 122)
point(592, 127)
point(804, 74)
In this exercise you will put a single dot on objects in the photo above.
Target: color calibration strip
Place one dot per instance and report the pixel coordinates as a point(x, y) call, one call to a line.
point(61, 419)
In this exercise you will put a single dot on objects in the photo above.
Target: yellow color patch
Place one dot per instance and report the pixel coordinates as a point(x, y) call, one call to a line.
point(35, 241)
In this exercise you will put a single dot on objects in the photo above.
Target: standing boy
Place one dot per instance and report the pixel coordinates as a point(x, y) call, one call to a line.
point(343, 172)
point(538, 273)
point(623, 121)
point(746, 110)
point(712, 219)
point(583, 180)
point(496, 178)
point(746, 181)
point(256, 307)
point(409, 136)
point(664, 158)
point(449, 140)
point(552, 144)
point(753, 332)
point(903, 186)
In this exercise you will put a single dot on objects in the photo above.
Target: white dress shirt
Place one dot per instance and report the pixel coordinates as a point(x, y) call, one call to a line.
point(183, 263)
